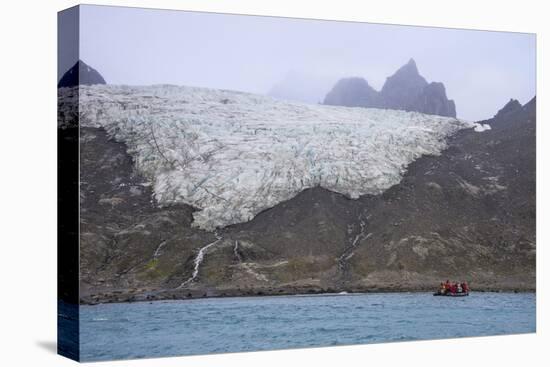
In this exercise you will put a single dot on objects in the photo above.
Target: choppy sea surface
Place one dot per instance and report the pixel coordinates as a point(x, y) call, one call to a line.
point(217, 325)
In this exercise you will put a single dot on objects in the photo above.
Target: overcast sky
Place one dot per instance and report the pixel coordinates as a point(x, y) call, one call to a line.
point(481, 70)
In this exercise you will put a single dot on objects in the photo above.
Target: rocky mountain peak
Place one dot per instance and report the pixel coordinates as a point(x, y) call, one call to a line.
point(352, 92)
point(513, 105)
point(402, 88)
point(409, 69)
point(405, 90)
point(81, 74)
point(406, 76)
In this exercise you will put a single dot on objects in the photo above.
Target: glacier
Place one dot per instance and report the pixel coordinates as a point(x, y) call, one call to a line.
point(232, 154)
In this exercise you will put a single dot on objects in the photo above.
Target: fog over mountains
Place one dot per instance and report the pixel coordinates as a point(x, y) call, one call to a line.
point(303, 87)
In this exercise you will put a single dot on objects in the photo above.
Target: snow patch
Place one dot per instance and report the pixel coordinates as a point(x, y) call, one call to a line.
point(481, 127)
point(233, 155)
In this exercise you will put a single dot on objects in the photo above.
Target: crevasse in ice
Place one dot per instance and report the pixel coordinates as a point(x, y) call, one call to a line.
point(233, 154)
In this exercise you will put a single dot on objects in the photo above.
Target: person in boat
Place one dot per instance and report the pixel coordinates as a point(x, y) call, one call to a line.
point(442, 288)
point(453, 288)
point(447, 286)
point(465, 288)
point(458, 288)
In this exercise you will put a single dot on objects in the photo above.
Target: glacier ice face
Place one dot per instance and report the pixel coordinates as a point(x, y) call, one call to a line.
point(232, 154)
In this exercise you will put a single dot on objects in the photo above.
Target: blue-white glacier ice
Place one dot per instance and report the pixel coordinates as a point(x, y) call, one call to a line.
point(233, 155)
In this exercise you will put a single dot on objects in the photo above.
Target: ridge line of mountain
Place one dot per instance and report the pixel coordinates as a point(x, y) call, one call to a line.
point(405, 90)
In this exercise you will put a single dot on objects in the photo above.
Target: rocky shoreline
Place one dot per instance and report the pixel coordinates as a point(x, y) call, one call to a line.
point(164, 295)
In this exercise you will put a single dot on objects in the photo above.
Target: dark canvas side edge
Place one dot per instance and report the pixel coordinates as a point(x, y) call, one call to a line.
point(68, 317)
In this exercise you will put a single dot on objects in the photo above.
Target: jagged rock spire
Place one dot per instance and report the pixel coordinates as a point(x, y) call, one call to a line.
point(405, 90)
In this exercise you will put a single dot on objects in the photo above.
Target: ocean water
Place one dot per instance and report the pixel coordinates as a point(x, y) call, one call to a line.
point(202, 326)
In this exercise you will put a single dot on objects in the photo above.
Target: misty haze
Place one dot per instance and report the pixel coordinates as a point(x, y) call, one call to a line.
point(302, 59)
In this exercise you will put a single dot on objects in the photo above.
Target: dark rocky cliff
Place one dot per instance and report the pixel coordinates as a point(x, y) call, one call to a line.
point(466, 214)
point(405, 90)
point(433, 100)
